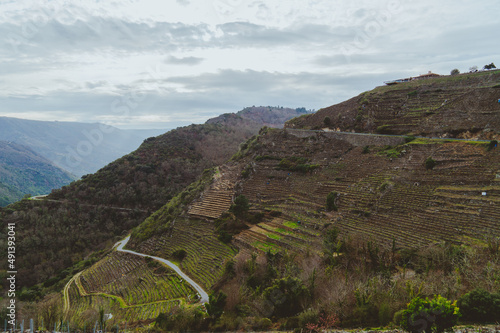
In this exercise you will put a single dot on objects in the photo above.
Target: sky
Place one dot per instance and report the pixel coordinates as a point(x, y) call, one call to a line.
point(162, 64)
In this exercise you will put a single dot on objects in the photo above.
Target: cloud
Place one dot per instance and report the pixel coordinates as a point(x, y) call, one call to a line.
point(190, 61)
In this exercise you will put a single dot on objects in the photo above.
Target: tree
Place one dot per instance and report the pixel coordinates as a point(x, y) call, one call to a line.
point(216, 304)
point(287, 296)
point(327, 121)
point(480, 306)
point(330, 201)
point(240, 206)
point(473, 69)
point(490, 66)
point(455, 71)
point(430, 163)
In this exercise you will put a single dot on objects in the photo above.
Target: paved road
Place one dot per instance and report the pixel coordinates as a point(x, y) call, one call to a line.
point(202, 293)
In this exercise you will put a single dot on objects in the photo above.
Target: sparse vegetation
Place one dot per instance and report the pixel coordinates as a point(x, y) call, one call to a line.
point(430, 163)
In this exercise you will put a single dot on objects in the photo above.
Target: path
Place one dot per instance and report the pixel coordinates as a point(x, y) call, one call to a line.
point(202, 293)
point(66, 292)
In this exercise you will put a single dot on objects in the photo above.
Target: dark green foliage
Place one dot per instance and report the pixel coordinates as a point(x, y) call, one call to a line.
point(327, 121)
point(480, 306)
point(492, 144)
point(454, 72)
point(240, 206)
point(490, 66)
point(179, 254)
point(366, 150)
point(224, 236)
point(412, 93)
point(297, 164)
point(331, 198)
point(430, 163)
point(287, 296)
point(181, 320)
point(216, 304)
point(436, 315)
point(409, 138)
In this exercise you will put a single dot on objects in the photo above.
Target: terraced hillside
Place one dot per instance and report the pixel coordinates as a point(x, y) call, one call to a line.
point(464, 105)
point(383, 192)
point(128, 286)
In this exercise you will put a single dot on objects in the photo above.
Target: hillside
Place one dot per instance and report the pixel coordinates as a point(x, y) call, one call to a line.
point(78, 148)
point(22, 172)
point(460, 106)
point(299, 227)
point(94, 210)
point(164, 165)
point(391, 210)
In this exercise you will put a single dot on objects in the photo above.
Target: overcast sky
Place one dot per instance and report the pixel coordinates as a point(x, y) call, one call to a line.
point(166, 63)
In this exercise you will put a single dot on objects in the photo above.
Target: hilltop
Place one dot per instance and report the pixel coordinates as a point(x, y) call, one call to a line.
point(22, 172)
point(458, 106)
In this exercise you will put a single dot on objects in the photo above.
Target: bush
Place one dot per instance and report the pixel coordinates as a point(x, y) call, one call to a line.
point(287, 296)
point(492, 144)
point(179, 254)
point(454, 72)
point(430, 163)
point(327, 121)
point(479, 306)
point(330, 201)
point(240, 206)
point(438, 314)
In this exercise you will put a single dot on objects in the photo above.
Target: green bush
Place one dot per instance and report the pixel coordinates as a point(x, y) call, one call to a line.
point(492, 144)
point(438, 314)
point(287, 296)
point(330, 201)
point(430, 163)
point(480, 306)
point(327, 121)
point(240, 206)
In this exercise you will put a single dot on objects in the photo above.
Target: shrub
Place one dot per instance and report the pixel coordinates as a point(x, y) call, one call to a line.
point(492, 144)
point(327, 121)
point(366, 150)
point(240, 206)
point(179, 254)
point(438, 314)
point(430, 163)
point(330, 201)
point(287, 296)
point(454, 72)
point(216, 304)
point(479, 306)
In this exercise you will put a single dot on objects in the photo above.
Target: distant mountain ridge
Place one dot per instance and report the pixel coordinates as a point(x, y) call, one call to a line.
point(22, 171)
point(79, 148)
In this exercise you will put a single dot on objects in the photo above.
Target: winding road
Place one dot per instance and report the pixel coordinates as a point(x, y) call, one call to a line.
point(202, 293)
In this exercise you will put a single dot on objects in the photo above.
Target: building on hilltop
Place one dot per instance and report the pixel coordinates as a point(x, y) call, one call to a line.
point(420, 77)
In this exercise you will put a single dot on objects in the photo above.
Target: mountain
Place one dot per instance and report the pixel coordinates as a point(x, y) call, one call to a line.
point(22, 172)
point(78, 148)
point(164, 165)
point(301, 228)
point(99, 207)
point(307, 227)
point(459, 106)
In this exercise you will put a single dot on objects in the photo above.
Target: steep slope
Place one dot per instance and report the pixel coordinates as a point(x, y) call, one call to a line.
point(22, 171)
point(164, 165)
point(94, 210)
point(387, 199)
point(78, 148)
point(462, 106)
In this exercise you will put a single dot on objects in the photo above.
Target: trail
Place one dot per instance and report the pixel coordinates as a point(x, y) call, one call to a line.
point(202, 293)
point(66, 292)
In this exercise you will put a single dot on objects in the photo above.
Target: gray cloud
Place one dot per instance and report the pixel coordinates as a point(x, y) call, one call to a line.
point(191, 61)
